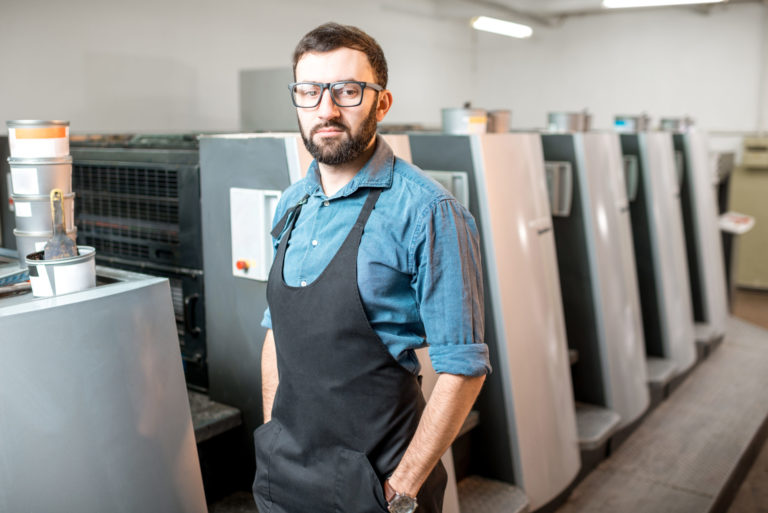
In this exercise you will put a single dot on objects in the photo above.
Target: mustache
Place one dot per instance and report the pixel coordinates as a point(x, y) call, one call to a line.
point(328, 124)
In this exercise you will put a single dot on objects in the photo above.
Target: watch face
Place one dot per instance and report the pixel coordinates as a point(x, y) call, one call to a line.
point(402, 504)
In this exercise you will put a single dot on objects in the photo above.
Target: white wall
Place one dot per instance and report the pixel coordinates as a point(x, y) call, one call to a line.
point(174, 65)
point(666, 63)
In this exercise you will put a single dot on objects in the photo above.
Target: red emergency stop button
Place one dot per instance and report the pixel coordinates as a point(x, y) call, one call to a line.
point(242, 265)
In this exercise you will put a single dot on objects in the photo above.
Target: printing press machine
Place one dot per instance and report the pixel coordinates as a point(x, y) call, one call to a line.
point(527, 434)
point(601, 303)
point(660, 255)
point(703, 242)
point(94, 400)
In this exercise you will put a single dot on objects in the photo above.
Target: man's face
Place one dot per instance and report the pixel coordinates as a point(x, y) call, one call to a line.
point(337, 135)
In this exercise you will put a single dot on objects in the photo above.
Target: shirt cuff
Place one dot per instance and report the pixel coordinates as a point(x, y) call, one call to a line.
point(266, 321)
point(463, 359)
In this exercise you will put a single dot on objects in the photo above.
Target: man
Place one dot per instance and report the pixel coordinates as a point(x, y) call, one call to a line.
point(373, 260)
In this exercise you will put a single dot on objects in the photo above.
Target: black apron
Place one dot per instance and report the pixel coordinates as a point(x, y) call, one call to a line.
point(345, 409)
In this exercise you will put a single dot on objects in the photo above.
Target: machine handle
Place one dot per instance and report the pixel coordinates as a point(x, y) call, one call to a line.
point(560, 187)
point(632, 176)
point(541, 225)
point(190, 326)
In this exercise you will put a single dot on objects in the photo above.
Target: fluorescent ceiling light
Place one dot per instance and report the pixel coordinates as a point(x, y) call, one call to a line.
point(505, 28)
point(618, 4)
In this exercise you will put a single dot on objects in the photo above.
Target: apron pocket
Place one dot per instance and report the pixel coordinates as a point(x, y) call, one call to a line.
point(358, 488)
point(264, 439)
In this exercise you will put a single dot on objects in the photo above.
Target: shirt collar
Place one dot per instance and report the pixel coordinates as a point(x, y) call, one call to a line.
point(377, 172)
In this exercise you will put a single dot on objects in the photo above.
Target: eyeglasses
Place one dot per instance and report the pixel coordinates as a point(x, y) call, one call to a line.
point(347, 93)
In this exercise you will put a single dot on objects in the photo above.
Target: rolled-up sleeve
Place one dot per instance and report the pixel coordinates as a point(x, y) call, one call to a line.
point(448, 284)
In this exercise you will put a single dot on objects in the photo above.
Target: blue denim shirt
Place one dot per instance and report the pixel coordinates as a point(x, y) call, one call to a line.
point(418, 269)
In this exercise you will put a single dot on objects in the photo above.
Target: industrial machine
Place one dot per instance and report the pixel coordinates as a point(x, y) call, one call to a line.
point(241, 178)
point(749, 188)
point(527, 433)
point(138, 204)
point(706, 271)
point(660, 256)
point(596, 260)
point(94, 404)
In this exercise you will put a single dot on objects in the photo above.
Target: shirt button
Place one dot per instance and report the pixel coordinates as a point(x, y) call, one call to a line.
point(326, 203)
point(314, 243)
point(303, 283)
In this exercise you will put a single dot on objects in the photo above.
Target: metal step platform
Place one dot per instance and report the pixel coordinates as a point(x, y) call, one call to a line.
point(707, 339)
point(480, 495)
point(595, 425)
point(210, 418)
point(661, 372)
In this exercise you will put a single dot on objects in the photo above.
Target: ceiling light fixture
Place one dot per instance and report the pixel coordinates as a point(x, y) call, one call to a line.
point(620, 4)
point(505, 28)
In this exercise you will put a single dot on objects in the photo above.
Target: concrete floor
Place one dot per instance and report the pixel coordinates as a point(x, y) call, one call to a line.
point(753, 493)
point(752, 497)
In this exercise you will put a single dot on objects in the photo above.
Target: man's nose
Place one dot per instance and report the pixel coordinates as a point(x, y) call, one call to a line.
point(327, 109)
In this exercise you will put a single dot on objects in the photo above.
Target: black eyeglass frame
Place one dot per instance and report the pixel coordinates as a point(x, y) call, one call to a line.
point(328, 85)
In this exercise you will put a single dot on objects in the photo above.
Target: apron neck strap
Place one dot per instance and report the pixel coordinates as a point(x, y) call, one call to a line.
point(294, 210)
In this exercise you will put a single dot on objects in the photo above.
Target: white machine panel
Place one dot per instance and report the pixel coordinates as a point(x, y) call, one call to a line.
point(456, 182)
point(252, 212)
point(669, 251)
point(708, 241)
point(622, 340)
point(525, 291)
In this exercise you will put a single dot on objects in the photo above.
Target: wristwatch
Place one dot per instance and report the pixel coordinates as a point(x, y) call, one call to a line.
point(398, 502)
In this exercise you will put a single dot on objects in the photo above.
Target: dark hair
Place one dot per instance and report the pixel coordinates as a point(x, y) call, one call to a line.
point(330, 36)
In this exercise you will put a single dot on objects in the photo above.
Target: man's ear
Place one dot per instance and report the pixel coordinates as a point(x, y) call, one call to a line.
point(383, 105)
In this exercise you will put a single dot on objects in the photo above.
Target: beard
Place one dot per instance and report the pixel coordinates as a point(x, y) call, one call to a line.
point(336, 152)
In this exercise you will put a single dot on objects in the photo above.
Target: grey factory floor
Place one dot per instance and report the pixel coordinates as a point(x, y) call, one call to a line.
point(752, 496)
point(692, 452)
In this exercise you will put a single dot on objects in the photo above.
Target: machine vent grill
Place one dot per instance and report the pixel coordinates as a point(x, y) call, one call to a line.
point(133, 181)
point(129, 212)
point(114, 247)
point(177, 297)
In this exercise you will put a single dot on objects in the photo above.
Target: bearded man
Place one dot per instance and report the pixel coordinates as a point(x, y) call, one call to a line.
point(373, 260)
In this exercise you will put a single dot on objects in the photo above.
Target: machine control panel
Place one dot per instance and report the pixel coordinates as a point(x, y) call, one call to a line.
point(251, 214)
point(560, 187)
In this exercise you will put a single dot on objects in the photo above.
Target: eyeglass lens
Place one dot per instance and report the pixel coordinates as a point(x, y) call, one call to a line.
point(345, 94)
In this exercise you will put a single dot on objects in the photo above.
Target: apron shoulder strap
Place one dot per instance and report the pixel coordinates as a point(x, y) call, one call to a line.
point(365, 212)
point(280, 226)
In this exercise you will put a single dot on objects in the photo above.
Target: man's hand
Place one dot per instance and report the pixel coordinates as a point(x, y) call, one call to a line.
point(447, 408)
point(269, 376)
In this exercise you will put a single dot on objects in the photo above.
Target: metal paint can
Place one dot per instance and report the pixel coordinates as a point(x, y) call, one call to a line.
point(33, 213)
point(40, 176)
point(634, 123)
point(678, 125)
point(63, 275)
point(499, 121)
point(34, 138)
point(464, 121)
point(31, 242)
point(569, 121)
